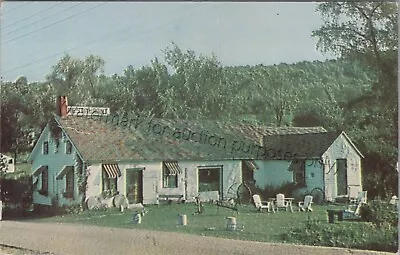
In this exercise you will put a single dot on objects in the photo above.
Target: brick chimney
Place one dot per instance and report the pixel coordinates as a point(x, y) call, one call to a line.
point(61, 106)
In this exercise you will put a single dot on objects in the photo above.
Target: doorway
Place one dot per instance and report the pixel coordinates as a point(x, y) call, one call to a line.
point(341, 177)
point(134, 185)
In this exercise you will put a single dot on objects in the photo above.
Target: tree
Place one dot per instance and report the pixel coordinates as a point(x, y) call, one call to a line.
point(197, 85)
point(367, 32)
point(76, 78)
point(15, 116)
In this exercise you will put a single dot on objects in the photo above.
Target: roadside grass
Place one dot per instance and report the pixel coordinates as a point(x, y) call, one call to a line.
point(310, 228)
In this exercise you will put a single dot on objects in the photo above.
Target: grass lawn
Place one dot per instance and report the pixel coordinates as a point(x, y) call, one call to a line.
point(264, 227)
point(20, 170)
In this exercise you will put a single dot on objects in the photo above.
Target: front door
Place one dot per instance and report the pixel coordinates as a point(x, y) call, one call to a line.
point(134, 185)
point(341, 177)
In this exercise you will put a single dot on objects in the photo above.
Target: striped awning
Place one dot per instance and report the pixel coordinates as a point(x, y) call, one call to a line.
point(64, 171)
point(251, 164)
point(172, 167)
point(112, 170)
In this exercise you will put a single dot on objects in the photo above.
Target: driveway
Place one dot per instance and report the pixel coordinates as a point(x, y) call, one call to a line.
point(59, 238)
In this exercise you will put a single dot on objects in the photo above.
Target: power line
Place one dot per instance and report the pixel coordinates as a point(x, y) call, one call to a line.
point(13, 9)
point(41, 11)
point(103, 38)
point(107, 37)
point(52, 24)
point(165, 24)
point(12, 31)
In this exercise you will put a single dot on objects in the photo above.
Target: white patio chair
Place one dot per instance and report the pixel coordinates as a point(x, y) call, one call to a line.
point(262, 204)
point(352, 214)
point(280, 202)
point(355, 203)
point(306, 205)
point(361, 198)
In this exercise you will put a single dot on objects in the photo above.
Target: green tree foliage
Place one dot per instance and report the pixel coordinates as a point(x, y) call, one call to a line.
point(363, 30)
point(17, 115)
point(197, 85)
point(342, 94)
point(78, 79)
point(368, 33)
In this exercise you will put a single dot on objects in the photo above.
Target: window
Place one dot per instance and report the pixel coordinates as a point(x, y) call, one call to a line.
point(298, 168)
point(10, 161)
point(209, 179)
point(248, 168)
point(170, 171)
point(109, 185)
point(69, 184)
point(110, 174)
point(46, 147)
point(45, 182)
point(68, 147)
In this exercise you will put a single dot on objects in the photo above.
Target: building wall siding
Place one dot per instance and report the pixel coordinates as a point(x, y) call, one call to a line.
point(231, 176)
point(94, 183)
point(314, 176)
point(56, 159)
point(151, 176)
point(272, 172)
point(152, 179)
point(342, 149)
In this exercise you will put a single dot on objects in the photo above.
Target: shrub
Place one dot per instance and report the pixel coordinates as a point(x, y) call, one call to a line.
point(380, 213)
point(286, 188)
point(299, 194)
point(73, 209)
point(17, 193)
point(358, 235)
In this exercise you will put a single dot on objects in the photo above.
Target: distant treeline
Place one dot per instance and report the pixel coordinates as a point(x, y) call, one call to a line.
point(333, 94)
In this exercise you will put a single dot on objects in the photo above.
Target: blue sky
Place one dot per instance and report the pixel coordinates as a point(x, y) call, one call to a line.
point(35, 35)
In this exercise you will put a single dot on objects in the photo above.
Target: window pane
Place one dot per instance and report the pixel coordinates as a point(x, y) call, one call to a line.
point(113, 185)
point(299, 173)
point(45, 179)
point(69, 187)
point(109, 184)
point(46, 147)
point(209, 179)
point(68, 148)
point(169, 180)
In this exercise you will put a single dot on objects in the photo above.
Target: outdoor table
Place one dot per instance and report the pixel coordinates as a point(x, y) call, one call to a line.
point(333, 212)
point(289, 200)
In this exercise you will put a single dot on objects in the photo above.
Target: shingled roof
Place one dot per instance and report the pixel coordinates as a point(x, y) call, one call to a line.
point(311, 145)
point(100, 141)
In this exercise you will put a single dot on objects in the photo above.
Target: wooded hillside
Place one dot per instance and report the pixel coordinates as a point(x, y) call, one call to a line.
point(356, 93)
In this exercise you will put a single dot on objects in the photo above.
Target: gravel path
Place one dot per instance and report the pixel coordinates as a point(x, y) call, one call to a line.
point(59, 238)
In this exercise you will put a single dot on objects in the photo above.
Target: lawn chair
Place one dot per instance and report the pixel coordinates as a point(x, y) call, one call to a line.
point(306, 205)
point(262, 204)
point(280, 202)
point(361, 198)
point(352, 214)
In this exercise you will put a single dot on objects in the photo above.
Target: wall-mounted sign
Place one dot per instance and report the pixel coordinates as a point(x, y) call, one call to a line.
point(87, 110)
